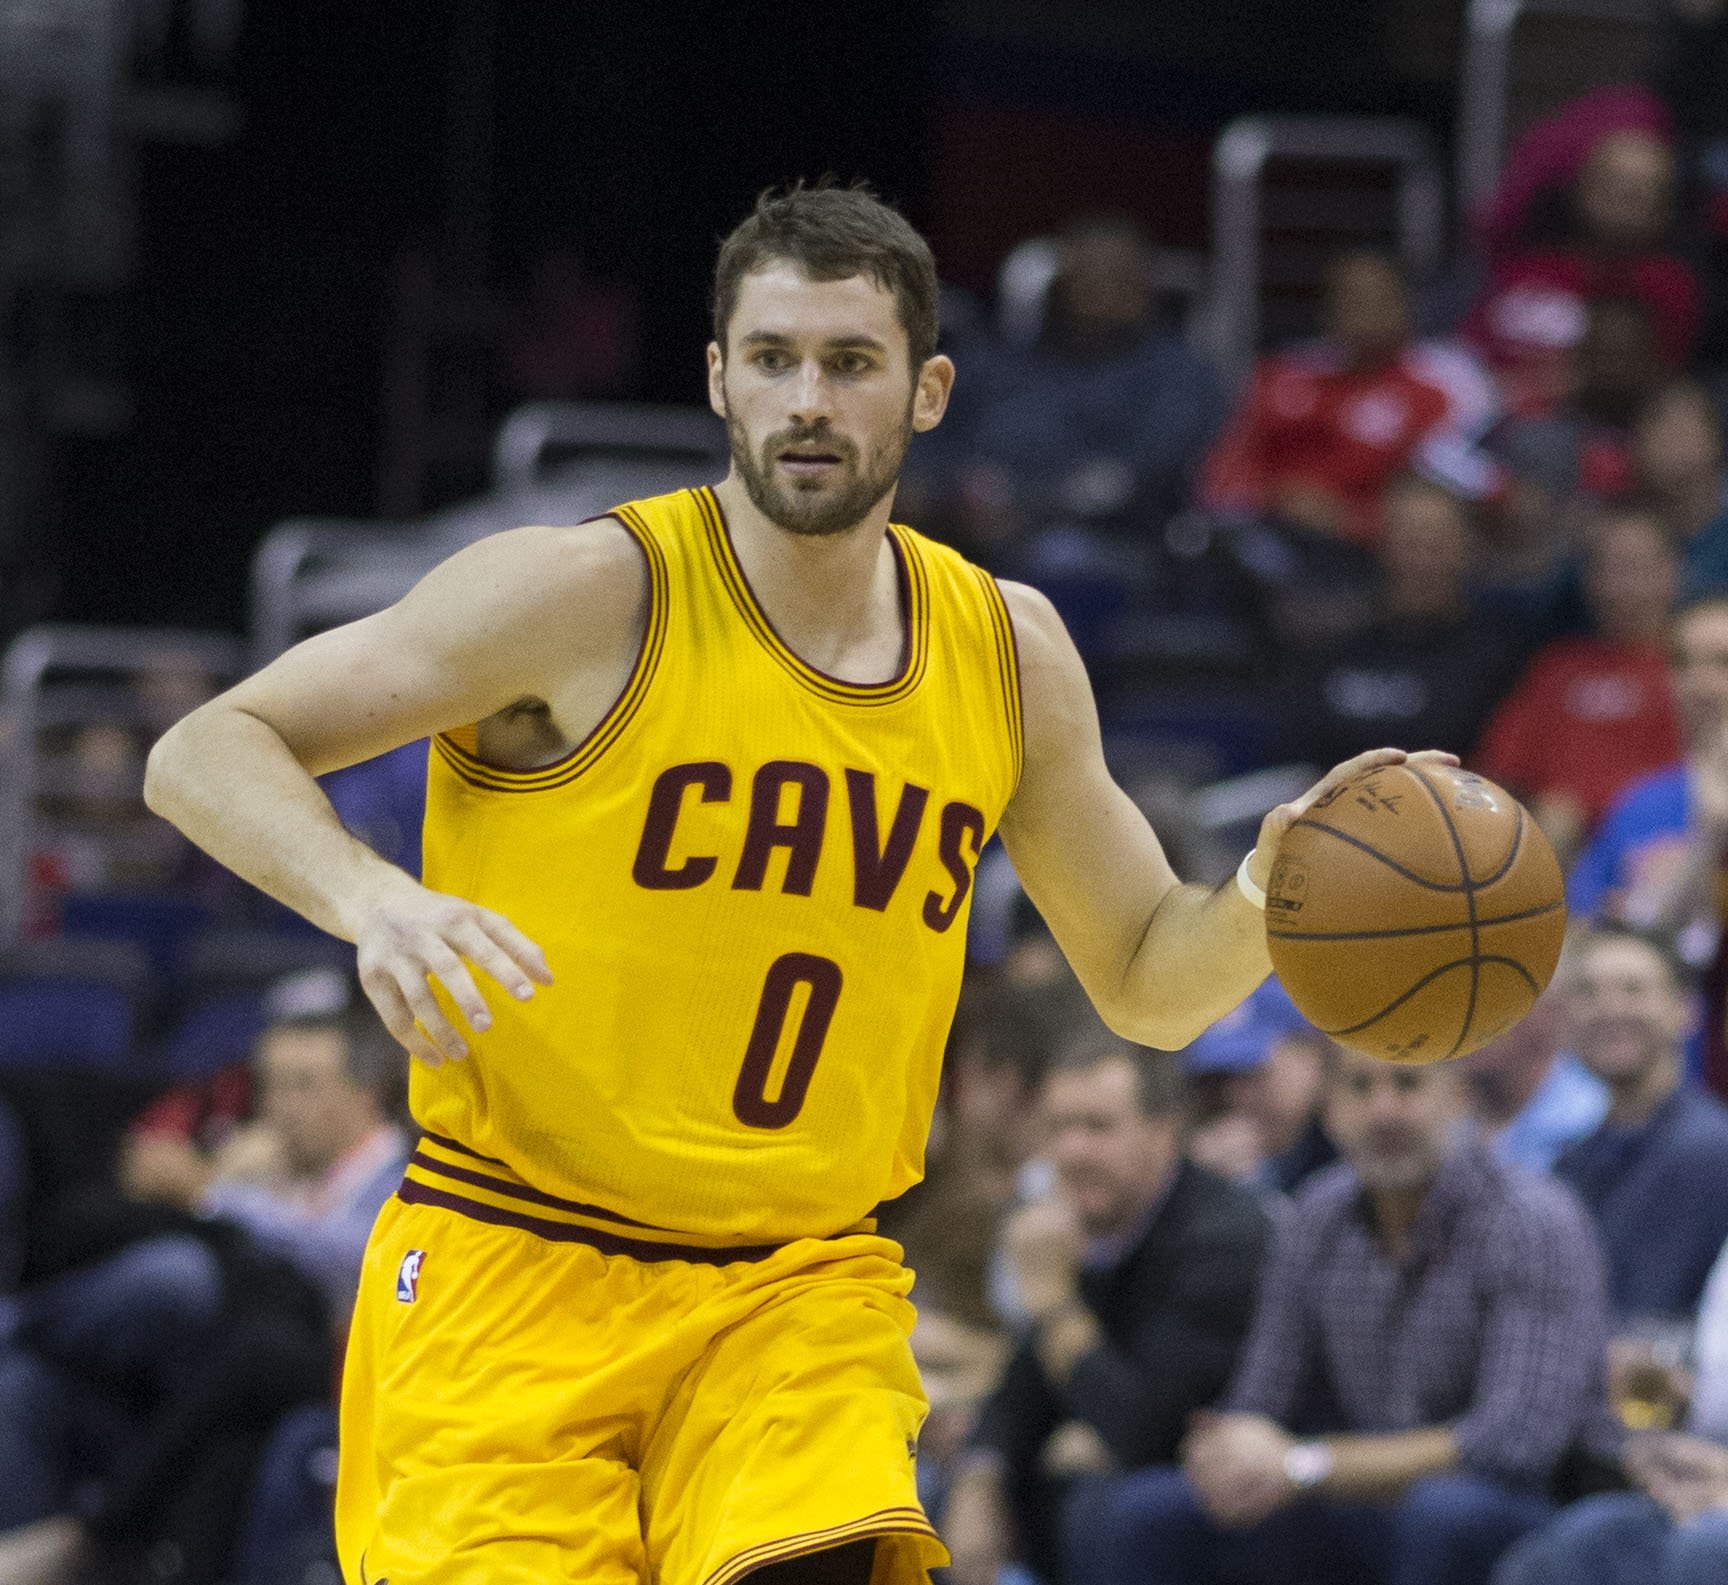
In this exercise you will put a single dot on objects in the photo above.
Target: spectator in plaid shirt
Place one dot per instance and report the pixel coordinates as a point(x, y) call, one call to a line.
point(1428, 1344)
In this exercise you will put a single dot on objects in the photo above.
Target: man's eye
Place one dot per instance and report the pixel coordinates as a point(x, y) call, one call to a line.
point(852, 363)
point(771, 361)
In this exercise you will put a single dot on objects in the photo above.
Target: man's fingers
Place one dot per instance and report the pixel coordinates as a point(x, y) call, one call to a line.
point(522, 952)
point(453, 974)
point(1434, 756)
point(482, 946)
point(392, 1006)
point(430, 1016)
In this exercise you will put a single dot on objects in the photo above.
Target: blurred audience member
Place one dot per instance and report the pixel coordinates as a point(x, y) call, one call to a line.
point(1583, 211)
point(1652, 1173)
point(1324, 428)
point(1593, 714)
point(1681, 470)
point(1103, 419)
point(1270, 1064)
point(1530, 1097)
point(138, 1393)
point(1427, 1345)
point(1425, 669)
point(1571, 458)
point(1654, 858)
point(1672, 1529)
point(1138, 1275)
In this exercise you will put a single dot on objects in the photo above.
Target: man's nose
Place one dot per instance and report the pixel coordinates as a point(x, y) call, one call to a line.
point(809, 395)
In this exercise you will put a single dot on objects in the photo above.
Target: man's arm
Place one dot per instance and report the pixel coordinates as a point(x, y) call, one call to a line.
point(535, 614)
point(1160, 961)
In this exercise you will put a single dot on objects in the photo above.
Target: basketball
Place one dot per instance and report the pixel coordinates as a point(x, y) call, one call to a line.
point(1415, 912)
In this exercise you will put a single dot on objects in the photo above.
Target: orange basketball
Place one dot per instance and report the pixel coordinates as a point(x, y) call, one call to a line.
point(1415, 912)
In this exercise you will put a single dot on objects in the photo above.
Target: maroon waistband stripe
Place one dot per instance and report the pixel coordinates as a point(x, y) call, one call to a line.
point(643, 1249)
point(521, 1191)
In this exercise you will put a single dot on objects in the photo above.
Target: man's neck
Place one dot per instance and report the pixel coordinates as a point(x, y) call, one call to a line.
point(1632, 1102)
point(827, 595)
point(1395, 1212)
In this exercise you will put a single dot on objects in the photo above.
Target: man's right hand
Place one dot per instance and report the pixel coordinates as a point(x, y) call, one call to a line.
point(975, 1529)
point(413, 937)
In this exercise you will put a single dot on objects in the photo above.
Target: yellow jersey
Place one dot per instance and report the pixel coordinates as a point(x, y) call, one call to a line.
point(752, 882)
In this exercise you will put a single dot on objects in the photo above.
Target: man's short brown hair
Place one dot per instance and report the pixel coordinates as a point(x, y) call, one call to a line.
point(832, 233)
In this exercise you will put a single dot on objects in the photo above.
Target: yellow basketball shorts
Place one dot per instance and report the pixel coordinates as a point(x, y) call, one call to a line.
point(520, 1410)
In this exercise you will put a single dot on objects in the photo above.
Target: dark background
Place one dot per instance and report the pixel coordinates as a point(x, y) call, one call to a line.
point(255, 327)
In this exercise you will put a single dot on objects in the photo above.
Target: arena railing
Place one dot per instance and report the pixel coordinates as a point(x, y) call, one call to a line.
point(1487, 90)
point(1243, 206)
point(533, 434)
point(61, 674)
point(312, 573)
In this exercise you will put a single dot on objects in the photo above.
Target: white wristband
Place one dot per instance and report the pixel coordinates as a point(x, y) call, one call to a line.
point(1246, 883)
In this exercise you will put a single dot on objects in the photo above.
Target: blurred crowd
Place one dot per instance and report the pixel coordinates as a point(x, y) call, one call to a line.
point(1259, 1310)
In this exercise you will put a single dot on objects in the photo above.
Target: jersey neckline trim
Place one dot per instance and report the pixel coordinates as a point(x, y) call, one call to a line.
point(479, 773)
point(914, 601)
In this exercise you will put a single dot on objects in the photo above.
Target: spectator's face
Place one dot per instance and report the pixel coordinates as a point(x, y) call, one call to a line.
point(1624, 1011)
point(1631, 578)
point(1626, 190)
point(1425, 544)
point(1282, 1094)
point(1111, 1159)
point(1699, 662)
point(1103, 295)
point(307, 1096)
point(1678, 441)
point(1393, 1122)
point(819, 396)
point(1367, 308)
point(1617, 364)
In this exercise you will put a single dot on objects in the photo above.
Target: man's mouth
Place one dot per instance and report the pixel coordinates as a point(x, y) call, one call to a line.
point(809, 462)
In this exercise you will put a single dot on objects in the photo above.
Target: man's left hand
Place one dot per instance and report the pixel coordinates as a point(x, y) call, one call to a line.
point(1686, 1475)
point(1276, 823)
point(1236, 1465)
point(1044, 1244)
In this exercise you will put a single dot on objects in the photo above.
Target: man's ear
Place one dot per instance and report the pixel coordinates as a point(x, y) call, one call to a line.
point(930, 400)
point(716, 378)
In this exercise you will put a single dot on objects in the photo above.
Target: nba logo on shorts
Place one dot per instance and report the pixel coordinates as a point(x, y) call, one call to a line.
point(408, 1276)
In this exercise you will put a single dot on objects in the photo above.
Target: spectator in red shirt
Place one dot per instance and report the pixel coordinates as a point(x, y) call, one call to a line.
point(1552, 248)
point(1325, 427)
point(1592, 714)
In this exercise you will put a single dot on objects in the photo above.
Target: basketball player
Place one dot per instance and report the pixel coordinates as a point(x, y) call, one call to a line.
point(709, 779)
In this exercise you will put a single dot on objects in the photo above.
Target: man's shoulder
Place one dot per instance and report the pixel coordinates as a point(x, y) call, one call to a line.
point(1208, 1209)
point(1702, 1123)
point(1324, 1198)
point(1652, 801)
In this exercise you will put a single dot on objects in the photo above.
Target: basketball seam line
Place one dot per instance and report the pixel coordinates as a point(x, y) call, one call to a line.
point(1412, 930)
point(1469, 903)
point(1375, 853)
point(1428, 979)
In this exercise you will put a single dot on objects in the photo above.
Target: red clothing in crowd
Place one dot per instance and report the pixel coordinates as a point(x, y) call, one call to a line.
point(1309, 418)
point(1586, 719)
point(1531, 315)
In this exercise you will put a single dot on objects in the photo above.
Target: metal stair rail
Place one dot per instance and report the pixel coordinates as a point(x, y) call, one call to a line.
point(312, 573)
point(31, 698)
point(1240, 161)
point(533, 433)
point(1486, 88)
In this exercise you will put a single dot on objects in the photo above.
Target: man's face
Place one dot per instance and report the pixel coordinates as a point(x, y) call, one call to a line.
point(1111, 1159)
point(1393, 1122)
point(1426, 539)
point(1282, 1093)
point(1678, 441)
point(819, 396)
point(1624, 1011)
point(1630, 576)
point(1367, 308)
point(1699, 662)
point(306, 1095)
point(1626, 189)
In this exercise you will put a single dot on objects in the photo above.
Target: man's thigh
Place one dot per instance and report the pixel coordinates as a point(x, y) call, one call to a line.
point(792, 1444)
point(843, 1565)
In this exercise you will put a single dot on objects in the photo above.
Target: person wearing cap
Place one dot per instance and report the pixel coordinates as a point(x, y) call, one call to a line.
point(1137, 1278)
point(1267, 1064)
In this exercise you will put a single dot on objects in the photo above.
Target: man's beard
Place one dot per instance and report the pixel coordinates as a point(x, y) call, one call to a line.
point(825, 508)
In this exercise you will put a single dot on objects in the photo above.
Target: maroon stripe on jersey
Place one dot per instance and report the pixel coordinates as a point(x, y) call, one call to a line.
point(886, 1521)
point(521, 1191)
point(413, 1193)
point(462, 1150)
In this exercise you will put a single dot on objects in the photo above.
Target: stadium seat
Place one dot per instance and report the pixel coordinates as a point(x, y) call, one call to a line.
point(72, 1004)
